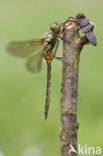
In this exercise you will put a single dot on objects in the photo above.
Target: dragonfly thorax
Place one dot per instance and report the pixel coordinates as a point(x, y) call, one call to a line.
point(49, 42)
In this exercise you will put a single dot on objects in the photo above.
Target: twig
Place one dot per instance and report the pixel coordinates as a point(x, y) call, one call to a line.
point(71, 56)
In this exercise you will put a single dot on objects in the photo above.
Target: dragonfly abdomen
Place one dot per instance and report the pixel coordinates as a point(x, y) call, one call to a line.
point(47, 102)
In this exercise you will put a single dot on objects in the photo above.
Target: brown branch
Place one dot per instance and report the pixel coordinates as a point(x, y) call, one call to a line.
point(71, 56)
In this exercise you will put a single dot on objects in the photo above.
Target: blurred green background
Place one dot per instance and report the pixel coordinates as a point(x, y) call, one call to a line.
point(23, 130)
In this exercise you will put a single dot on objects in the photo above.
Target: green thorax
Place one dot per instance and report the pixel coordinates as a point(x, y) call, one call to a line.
point(50, 41)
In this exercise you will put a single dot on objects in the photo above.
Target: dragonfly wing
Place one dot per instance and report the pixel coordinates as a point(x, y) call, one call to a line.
point(92, 39)
point(23, 49)
point(35, 63)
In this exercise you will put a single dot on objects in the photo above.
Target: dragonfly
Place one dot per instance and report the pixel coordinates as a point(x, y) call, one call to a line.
point(36, 51)
point(85, 25)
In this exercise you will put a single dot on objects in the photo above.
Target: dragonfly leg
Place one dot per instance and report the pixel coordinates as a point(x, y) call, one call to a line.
point(63, 39)
point(71, 19)
point(69, 39)
point(55, 48)
point(59, 58)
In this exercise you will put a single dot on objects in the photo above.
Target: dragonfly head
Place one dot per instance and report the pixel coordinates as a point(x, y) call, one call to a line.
point(55, 28)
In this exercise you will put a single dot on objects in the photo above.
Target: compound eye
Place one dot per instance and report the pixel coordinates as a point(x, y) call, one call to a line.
point(48, 38)
point(55, 28)
point(79, 16)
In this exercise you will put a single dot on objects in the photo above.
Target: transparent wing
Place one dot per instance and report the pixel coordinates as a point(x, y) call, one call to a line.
point(35, 63)
point(23, 49)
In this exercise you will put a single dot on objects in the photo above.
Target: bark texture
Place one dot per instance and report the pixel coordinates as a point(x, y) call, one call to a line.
point(69, 91)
